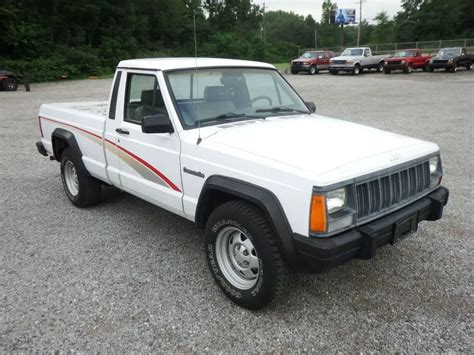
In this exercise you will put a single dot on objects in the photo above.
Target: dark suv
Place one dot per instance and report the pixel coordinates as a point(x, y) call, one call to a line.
point(312, 62)
point(8, 80)
point(451, 59)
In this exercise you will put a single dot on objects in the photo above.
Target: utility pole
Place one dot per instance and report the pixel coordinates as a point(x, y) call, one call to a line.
point(360, 23)
point(315, 38)
point(263, 23)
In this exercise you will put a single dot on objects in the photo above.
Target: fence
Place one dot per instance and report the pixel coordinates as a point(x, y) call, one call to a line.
point(425, 46)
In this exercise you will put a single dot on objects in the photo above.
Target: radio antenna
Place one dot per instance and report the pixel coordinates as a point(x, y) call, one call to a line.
point(196, 71)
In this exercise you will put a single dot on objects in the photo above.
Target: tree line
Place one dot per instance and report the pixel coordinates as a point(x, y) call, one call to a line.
point(76, 38)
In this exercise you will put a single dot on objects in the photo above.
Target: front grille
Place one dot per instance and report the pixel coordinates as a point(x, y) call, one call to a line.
point(394, 62)
point(439, 61)
point(338, 62)
point(387, 191)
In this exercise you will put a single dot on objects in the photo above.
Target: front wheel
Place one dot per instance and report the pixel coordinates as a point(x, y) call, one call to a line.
point(408, 69)
point(294, 72)
point(10, 84)
point(356, 70)
point(82, 189)
point(333, 72)
point(313, 70)
point(380, 67)
point(430, 69)
point(387, 71)
point(243, 255)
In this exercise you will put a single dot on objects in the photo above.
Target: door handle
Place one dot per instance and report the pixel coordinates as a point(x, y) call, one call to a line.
point(122, 131)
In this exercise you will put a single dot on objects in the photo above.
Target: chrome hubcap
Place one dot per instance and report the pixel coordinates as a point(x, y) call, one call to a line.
point(237, 258)
point(70, 176)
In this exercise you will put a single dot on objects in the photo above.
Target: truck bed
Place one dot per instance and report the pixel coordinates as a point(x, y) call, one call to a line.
point(86, 120)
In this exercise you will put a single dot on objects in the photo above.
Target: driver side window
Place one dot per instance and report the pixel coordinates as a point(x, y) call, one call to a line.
point(143, 98)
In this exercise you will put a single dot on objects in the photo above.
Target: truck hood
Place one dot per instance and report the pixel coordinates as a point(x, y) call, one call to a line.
point(315, 144)
point(347, 57)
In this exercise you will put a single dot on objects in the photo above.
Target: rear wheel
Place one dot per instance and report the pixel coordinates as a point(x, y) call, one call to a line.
point(243, 255)
point(81, 189)
point(10, 84)
point(469, 66)
point(380, 67)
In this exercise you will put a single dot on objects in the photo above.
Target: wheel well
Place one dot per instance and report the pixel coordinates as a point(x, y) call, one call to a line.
point(59, 144)
point(210, 201)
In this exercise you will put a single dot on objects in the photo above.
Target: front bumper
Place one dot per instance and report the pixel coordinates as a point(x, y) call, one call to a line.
point(441, 65)
point(395, 66)
point(300, 67)
point(321, 254)
point(342, 67)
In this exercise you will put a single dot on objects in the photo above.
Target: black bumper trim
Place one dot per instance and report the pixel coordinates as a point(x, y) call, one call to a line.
point(41, 149)
point(321, 254)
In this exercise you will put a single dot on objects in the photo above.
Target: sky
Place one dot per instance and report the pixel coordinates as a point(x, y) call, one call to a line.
point(370, 8)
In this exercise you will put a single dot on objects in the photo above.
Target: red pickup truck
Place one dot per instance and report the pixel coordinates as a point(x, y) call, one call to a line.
point(312, 62)
point(406, 60)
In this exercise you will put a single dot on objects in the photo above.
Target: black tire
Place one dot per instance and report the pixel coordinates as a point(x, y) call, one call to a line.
point(468, 66)
point(271, 280)
point(313, 70)
point(380, 67)
point(387, 71)
point(356, 70)
point(294, 72)
point(430, 69)
point(425, 68)
point(408, 69)
point(88, 188)
point(10, 84)
point(334, 72)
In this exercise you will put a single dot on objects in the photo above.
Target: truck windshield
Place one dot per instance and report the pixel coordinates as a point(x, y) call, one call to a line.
point(405, 54)
point(449, 52)
point(214, 96)
point(310, 55)
point(352, 52)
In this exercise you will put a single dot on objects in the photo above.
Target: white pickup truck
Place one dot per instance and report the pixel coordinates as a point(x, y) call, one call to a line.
point(355, 60)
point(231, 146)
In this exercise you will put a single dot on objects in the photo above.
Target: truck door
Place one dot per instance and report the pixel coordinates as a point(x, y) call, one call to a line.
point(111, 137)
point(149, 163)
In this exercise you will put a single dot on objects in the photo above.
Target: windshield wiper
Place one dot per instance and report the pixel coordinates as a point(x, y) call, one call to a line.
point(281, 109)
point(229, 116)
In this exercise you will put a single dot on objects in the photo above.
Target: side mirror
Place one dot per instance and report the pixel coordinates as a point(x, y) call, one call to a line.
point(157, 124)
point(311, 106)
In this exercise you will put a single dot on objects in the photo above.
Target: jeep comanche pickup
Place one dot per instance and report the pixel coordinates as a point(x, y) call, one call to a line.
point(231, 146)
point(355, 60)
point(406, 60)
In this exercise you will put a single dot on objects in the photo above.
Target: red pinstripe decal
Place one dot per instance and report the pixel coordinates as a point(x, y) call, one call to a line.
point(137, 158)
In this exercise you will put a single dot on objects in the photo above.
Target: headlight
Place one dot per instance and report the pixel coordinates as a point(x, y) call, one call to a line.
point(349, 61)
point(385, 62)
point(434, 162)
point(436, 172)
point(450, 61)
point(431, 61)
point(403, 62)
point(336, 200)
point(332, 211)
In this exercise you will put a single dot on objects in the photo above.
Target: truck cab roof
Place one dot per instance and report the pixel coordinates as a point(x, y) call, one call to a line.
point(188, 63)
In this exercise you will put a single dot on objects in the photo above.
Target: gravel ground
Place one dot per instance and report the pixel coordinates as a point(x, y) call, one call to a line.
point(128, 276)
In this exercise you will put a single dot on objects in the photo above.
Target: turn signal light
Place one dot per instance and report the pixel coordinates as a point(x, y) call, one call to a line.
point(318, 221)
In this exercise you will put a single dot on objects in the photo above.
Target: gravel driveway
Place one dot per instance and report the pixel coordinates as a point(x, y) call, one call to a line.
point(128, 276)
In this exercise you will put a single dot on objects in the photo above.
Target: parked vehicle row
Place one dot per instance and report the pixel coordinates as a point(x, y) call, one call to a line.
point(356, 60)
